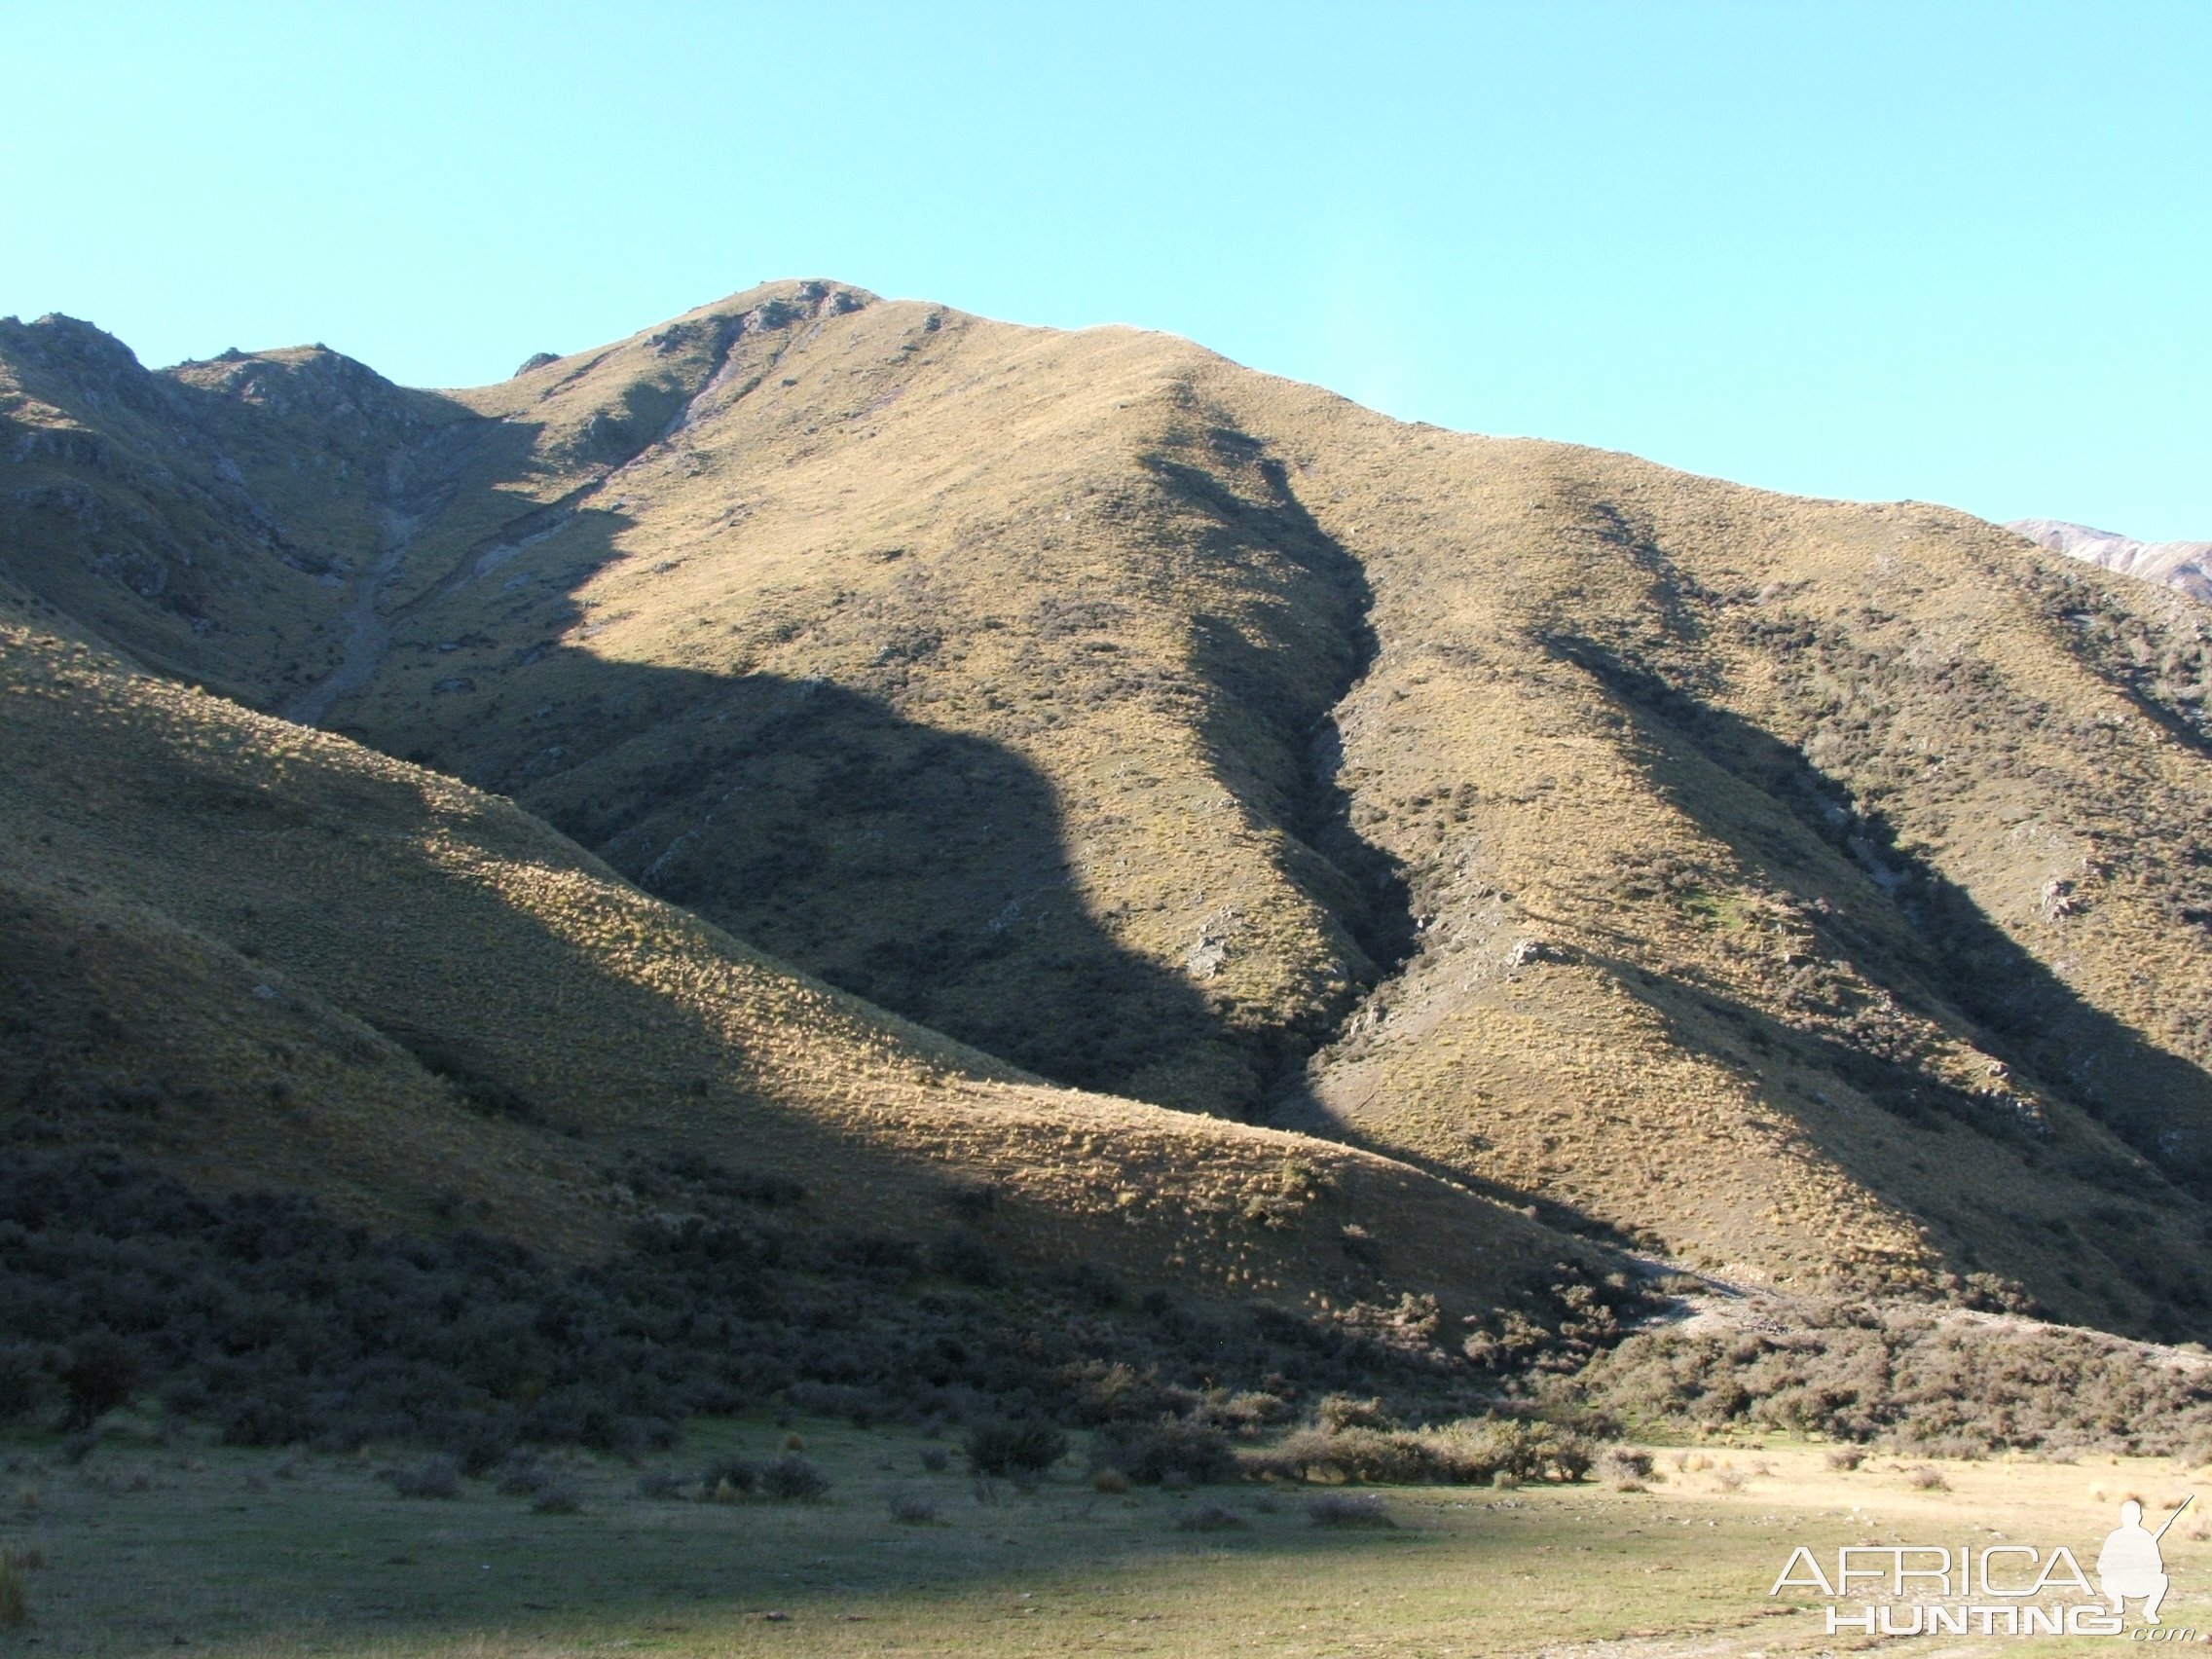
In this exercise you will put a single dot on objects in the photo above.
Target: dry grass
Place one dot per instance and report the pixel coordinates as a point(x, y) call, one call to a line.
point(1773, 861)
point(331, 1561)
point(398, 992)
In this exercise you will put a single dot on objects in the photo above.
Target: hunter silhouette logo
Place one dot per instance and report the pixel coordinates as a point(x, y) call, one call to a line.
point(2130, 1565)
point(1997, 1590)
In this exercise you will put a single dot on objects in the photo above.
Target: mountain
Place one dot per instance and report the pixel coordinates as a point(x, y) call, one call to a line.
point(1814, 894)
point(261, 956)
point(2183, 565)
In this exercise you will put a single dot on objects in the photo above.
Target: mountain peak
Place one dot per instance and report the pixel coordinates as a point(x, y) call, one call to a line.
point(2183, 565)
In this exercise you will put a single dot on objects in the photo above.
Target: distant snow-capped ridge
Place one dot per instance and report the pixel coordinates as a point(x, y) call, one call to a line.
point(2184, 565)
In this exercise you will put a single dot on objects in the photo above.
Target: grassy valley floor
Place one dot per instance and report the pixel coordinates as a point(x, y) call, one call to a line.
point(144, 1549)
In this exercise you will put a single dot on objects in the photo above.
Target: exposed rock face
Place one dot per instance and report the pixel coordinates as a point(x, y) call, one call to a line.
point(2183, 565)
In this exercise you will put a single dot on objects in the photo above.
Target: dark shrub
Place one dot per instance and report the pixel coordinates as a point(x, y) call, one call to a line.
point(791, 1476)
point(98, 1376)
point(434, 1477)
point(1208, 1518)
point(482, 1444)
point(1198, 1452)
point(523, 1475)
point(556, 1495)
point(1015, 1447)
point(1086, 1281)
point(1625, 1466)
point(1119, 1392)
point(729, 1476)
point(1349, 1509)
point(25, 1385)
point(967, 1258)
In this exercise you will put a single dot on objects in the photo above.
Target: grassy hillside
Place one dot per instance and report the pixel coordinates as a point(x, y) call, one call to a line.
point(259, 956)
point(1813, 892)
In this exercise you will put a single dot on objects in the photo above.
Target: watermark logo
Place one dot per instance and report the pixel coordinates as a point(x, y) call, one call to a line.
point(1998, 1590)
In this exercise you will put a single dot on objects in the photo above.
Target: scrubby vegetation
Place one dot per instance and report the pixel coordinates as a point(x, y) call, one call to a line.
point(263, 1314)
point(1913, 1377)
point(1471, 1453)
point(1686, 868)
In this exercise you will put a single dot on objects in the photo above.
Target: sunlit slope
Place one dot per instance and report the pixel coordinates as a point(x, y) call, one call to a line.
point(1805, 884)
point(1814, 892)
point(991, 672)
point(261, 955)
point(957, 663)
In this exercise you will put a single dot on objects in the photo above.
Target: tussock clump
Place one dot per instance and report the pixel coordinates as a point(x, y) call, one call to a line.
point(911, 1511)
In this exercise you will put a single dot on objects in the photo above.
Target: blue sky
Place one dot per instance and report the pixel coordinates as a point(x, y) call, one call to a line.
point(1951, 251)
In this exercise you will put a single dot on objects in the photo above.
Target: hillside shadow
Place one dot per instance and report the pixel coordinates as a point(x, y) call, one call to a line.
point(924, 869)
point(1949, 962)
point(1271, 734)
point(2105, 1233)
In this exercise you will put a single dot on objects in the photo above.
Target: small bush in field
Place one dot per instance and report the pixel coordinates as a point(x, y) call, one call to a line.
point(1349, 1509)
point(1927, 1479)
point(1464, 1453)
point(1015, 1447)
point(1728, 1480)
point(15, 1596)
point(1626, 1467)
point(1208, 1518)
point(1339, 1412)
point(1111, 1482)
point(936, 1460)
point(792, 1477)
point(556, 1495)
point(661, 1484)
point(524, 1477)
point(910, 1511)
point(1845, 1458)
point(432, 1477)
point(101, 1371)
point(1148, 1453)
point(724, 1480)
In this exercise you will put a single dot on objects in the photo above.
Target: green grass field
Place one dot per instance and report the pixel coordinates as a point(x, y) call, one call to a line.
point(158, 1549)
